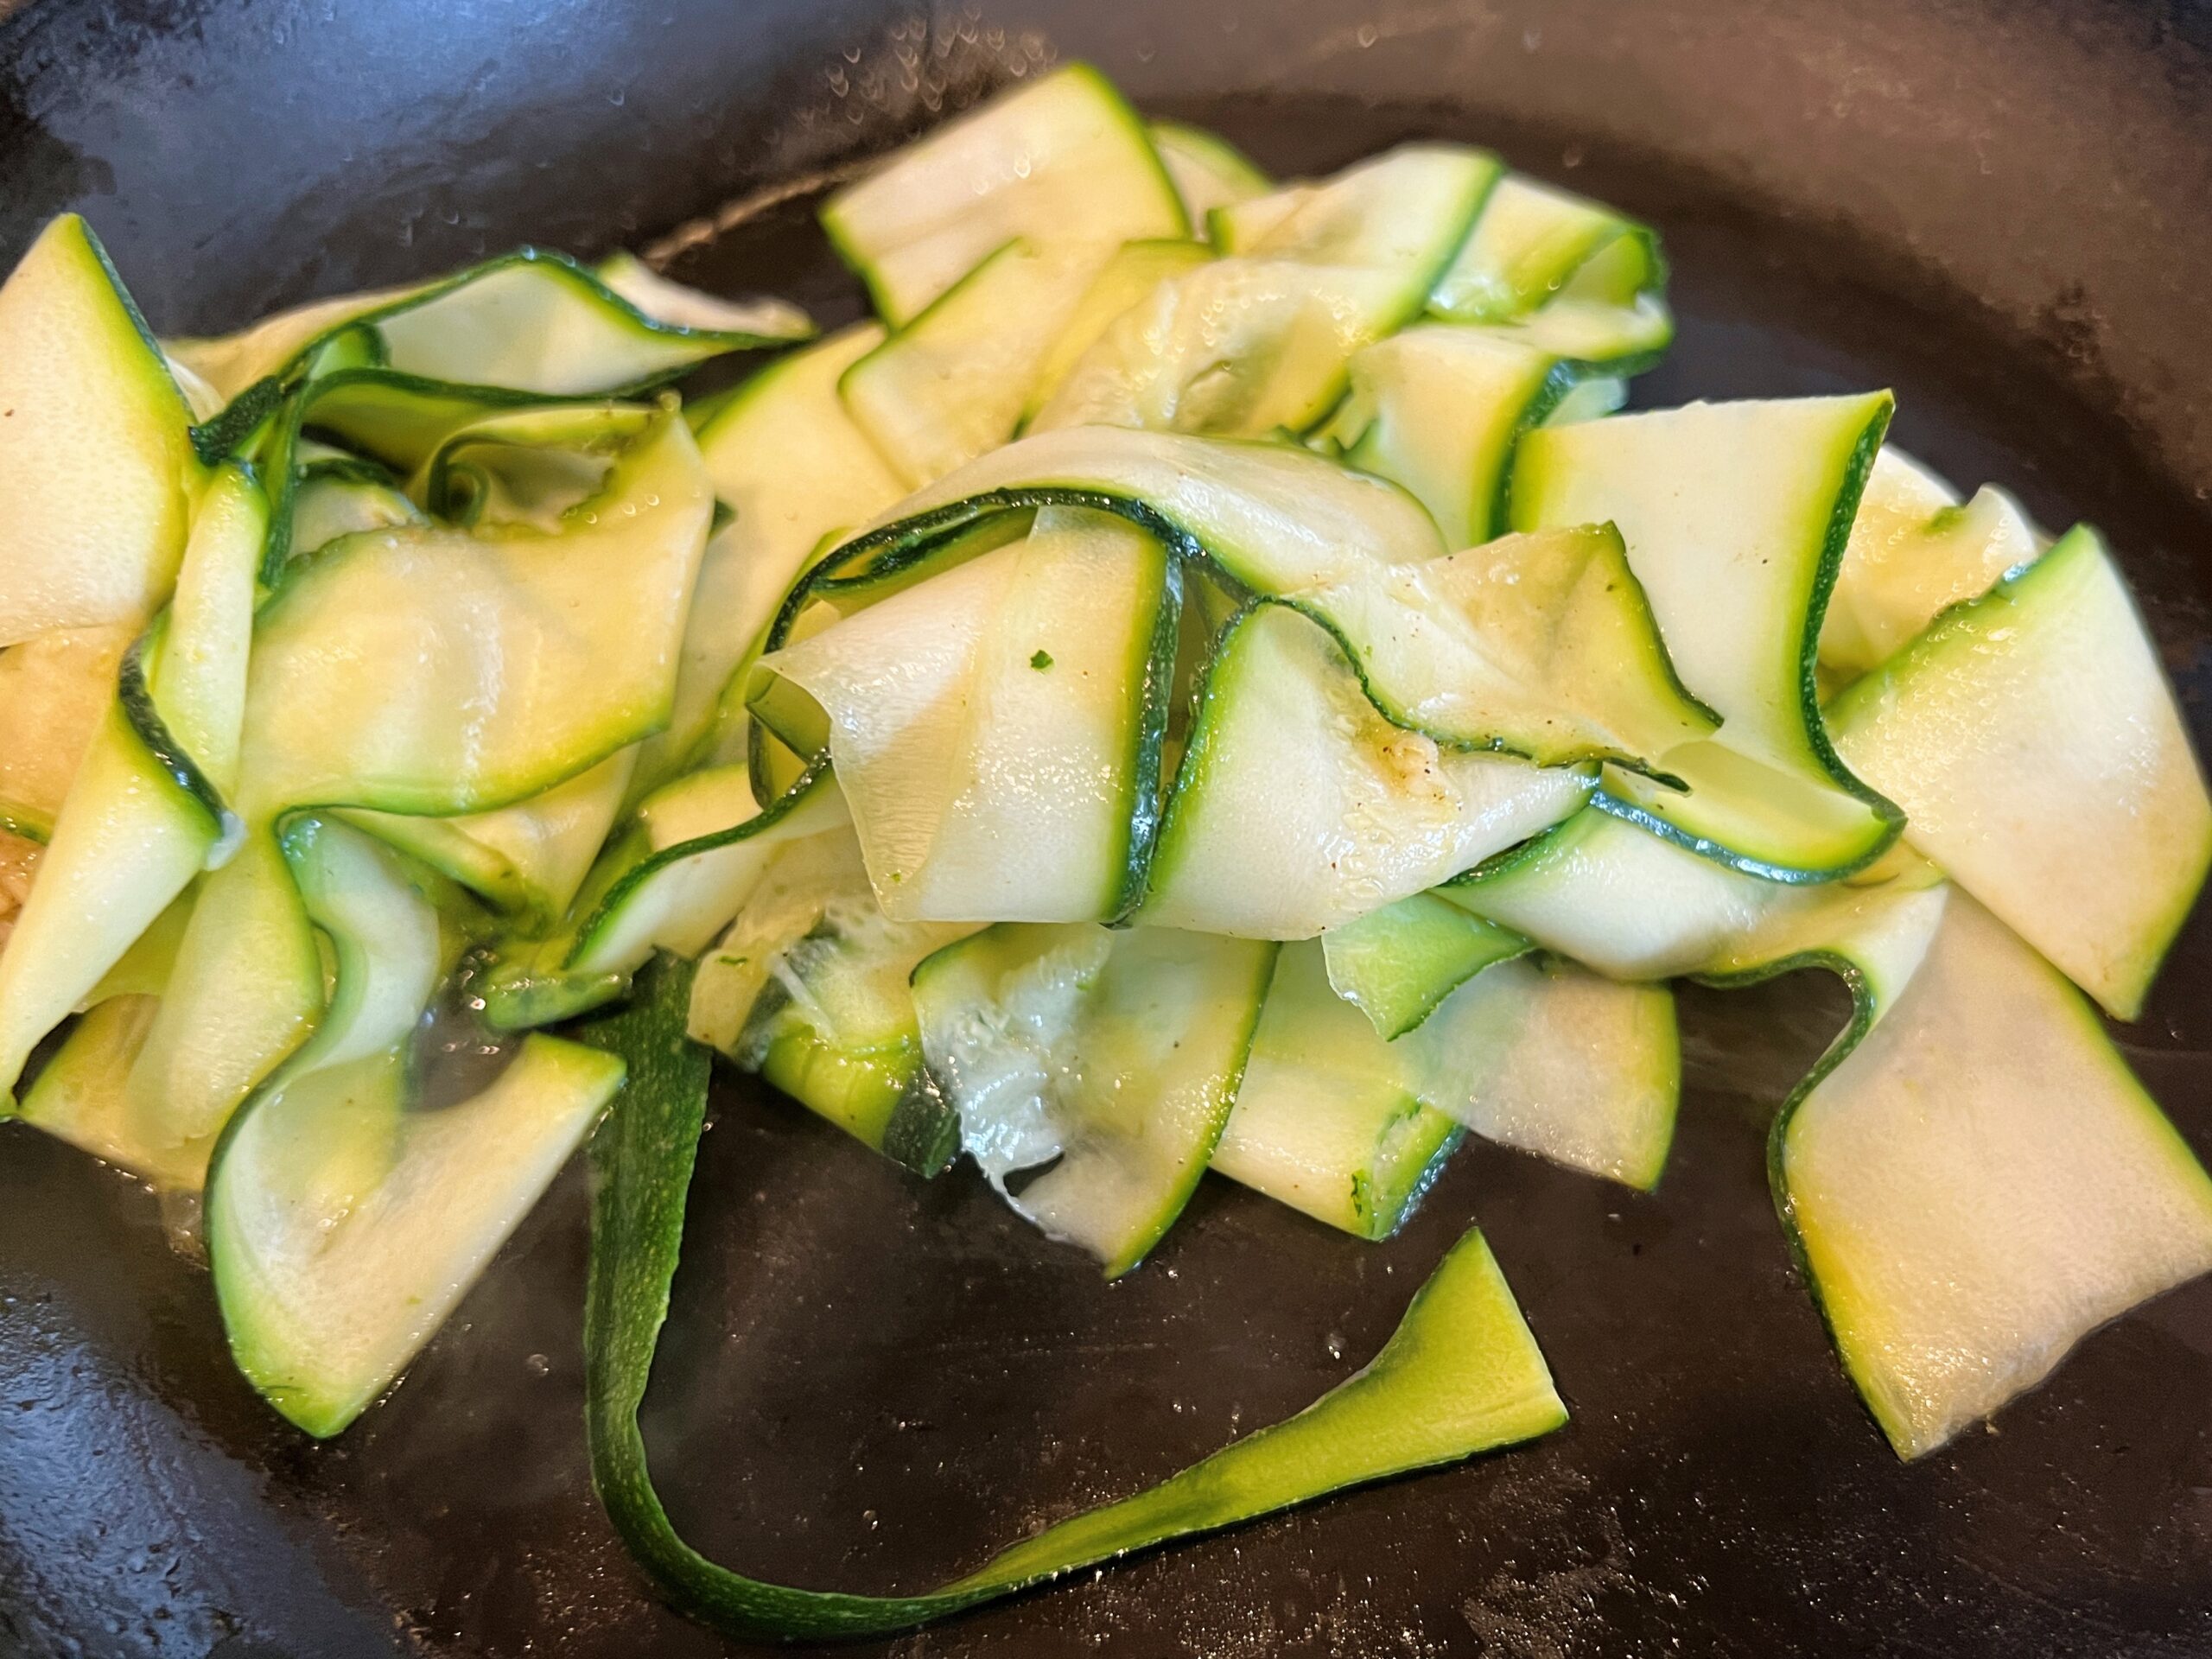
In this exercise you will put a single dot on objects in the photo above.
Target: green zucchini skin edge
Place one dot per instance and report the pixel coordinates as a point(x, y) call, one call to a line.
point(294, 416)
point(643, 1157)
point(1778, 1134)
point(216, 438)
point(151, 730)
point(898, 547)
point(1891, 815)
point(1153, 695)
point(862, 267)
point(1857, 470)
point(1863, 1013)
point(647, 868)
point(923, 1133)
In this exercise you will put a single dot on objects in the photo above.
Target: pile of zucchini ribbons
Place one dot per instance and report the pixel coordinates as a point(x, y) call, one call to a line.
point(1205, 681)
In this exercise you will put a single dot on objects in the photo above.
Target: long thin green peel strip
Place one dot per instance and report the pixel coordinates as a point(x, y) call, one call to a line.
point(1462, 1375)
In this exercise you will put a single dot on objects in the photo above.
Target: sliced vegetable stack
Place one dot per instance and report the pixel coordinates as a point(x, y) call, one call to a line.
point(1206, 680)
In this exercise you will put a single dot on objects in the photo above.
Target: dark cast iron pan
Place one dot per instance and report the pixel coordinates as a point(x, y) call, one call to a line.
point(2003, 208)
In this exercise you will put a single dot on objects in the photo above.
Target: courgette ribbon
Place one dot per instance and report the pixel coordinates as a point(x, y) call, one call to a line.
point(1461, 1375)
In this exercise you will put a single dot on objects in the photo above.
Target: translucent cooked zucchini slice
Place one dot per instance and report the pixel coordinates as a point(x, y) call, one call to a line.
point(1209, 172)
point(1259, 340)
point(1534, 243)
point(1063, 158)
point(794, 471)
point(997, 728)
point(1319, 1124)
point(1111, 1056)
point(1396, 963)
point(1543, 646)
point(1736, 517)
point(529, 321)
point(1979, 1184)
point(1296, 807)
point(1915, 550)
point(532, 655)
point(145, 811)
point(54, 692)
point(2033, 742)
point(809, 989)
point(345, 1218)
point(95, 445)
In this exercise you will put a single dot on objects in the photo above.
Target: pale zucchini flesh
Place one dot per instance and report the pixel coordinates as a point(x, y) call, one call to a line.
point(517, 621)
point(1530, 245)
point(954, 382)
point(529, 321)
point(199, 678)
point(142, 814)
point(673, 882)
point(539, 323)
point(1979, 1184)
point(79, 1095)
point(1130, 275)
point(95, 445)
point(1062, 158)
point(794, 470)
point(1442, 645)
point(1261, 340)
point(1319, 1124)
point(1914, 552)
point(331, 502)
point(675, 305)
point(54, 692)
point(1296, 807)
point(244, 991)
point(343, 1224)
point(1736, 517)
point(1634, 906)
point(129, 839)
point(1545, 1057)
point(1208, 171)
point(1438, 410)
point(528, 859)
point(997, 728)
point(1548, 1057)
point(1396, 963)
point(2041, 760)
point(809, 989)
point(1112, 1056)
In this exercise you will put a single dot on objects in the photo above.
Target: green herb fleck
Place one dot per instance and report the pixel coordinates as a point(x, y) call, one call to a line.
point(1041, 661)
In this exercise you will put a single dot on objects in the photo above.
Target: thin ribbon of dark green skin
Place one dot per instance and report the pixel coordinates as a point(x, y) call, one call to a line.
point(894, 549)
point(1153, 696)
point(642, 1160)
point(215, 438)
point(1863, 1013)
point(177, 763)
point(1858, 468)
point(294, 415)
point(1154, 692)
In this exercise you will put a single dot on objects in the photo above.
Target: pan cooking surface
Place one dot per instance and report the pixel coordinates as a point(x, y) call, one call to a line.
point(868, 1382)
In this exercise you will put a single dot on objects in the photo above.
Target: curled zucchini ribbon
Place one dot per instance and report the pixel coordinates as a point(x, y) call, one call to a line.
point(1461, 1376)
